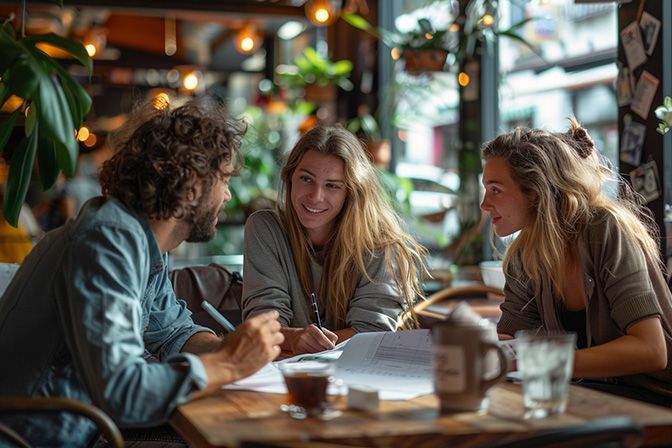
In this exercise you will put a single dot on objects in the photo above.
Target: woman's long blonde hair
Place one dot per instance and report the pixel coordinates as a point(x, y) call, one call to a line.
point(366, 227)
point(563, 178)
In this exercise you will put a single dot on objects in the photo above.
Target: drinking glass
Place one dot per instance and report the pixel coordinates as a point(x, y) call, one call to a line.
point(545, 362)
point(307, 388)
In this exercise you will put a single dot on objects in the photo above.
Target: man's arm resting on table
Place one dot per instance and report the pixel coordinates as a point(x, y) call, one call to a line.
point(255, 343)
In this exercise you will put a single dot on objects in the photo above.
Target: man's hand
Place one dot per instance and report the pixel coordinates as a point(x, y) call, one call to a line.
point(254, 344)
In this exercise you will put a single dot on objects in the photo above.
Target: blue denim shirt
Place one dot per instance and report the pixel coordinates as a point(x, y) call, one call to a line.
point(81, 316)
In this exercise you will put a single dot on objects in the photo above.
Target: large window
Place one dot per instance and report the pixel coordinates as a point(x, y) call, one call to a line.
point(572, 73)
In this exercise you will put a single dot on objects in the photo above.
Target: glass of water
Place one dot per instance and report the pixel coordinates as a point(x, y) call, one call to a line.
point(545, 361)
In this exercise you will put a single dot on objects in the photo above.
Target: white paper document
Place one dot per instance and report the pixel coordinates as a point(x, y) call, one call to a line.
point(397, 364)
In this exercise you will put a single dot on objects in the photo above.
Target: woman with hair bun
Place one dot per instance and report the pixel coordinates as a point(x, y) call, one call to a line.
point(584, 261)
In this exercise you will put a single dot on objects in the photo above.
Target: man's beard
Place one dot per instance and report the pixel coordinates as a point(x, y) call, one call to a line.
point(203, 222)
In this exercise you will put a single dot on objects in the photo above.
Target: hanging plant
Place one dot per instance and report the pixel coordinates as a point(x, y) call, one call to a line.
point(54, 105)
point(427, 48)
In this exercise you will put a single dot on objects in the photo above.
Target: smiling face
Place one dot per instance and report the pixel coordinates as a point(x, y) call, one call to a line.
point(318, 193)
point(504, 201)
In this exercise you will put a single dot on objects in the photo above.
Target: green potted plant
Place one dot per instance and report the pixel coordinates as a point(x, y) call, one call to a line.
point(54, 106)
point(365, 126)
point(428, 49)
point(316, 75)
point(664, 114)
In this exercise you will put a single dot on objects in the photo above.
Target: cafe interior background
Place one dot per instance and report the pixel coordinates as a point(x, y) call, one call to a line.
point(423, 82)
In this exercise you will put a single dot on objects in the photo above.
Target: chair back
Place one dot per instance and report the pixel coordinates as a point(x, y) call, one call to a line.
point(485, 300)
point(22, 405)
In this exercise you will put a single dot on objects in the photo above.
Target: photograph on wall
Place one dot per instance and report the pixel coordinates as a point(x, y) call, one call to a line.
point(644, 93)
point(644, 180)
point(635, 53)
point(624, 86)
point(650, 27)
point(632, 142)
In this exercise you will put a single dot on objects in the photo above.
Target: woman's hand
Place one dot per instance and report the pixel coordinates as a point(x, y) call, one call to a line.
point(308, 340)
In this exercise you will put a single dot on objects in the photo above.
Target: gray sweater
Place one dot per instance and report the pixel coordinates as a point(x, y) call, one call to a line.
point(272, 283)
point(622, 287)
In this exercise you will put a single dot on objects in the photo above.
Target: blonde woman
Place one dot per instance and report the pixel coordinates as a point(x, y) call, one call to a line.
point(334, 235)
point(584, 261)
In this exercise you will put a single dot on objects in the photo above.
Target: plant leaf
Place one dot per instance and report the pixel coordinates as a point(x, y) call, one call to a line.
point(46, 160)
point(54, 114)
point(77, 97)
point(23, 77)
point(7, 127)
point(11, 49)
point(31, 119)
point(20, 169)
point(73, 47)
point(357, 21)
point(64, 159)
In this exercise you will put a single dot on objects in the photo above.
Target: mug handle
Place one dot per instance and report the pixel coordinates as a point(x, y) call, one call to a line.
point(503, 365)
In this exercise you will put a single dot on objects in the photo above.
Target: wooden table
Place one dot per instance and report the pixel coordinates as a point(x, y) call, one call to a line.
point(230, 418)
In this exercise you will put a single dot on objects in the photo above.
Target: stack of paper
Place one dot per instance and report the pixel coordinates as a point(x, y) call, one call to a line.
point(397, 364)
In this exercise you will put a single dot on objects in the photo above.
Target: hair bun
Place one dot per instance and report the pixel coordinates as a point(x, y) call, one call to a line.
point(578, 137)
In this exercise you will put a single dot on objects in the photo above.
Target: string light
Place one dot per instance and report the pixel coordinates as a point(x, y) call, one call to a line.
point(395, 53)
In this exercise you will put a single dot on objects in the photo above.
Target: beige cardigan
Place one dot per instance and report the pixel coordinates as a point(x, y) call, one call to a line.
point(622, 288)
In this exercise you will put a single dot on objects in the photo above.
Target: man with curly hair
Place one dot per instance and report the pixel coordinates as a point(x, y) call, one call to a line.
point(91, 309)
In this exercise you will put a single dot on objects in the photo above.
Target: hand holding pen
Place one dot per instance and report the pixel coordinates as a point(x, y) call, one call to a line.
point(314, 338)
point(316, 311)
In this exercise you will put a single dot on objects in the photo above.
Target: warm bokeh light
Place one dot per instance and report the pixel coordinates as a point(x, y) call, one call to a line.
point(91, 50)
point(454, 28)
point(83, 134)
point(402, 135)
point(190, 81)
point(247, 39)
point(247, 44)
point(161, 101)
point(322, 12)
point(90, 142)
point(463, 79)
point(322, 15)
point(428, 36)
point(488, 20)
point(395, 53)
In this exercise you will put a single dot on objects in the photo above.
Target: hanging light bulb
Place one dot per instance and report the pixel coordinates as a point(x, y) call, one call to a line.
point(323, 12)
point(247, 40)
point(95, 41)
point(191, 80)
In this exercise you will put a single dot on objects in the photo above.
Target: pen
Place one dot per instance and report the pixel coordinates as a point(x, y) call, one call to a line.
point(316, 310)
point(221, 320)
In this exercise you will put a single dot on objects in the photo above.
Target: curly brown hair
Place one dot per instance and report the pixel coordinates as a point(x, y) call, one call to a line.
point(161, 154)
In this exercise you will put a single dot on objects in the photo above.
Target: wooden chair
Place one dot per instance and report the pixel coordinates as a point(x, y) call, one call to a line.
point(485, 300)
point(20, 405)
point(612, 432)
